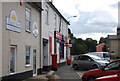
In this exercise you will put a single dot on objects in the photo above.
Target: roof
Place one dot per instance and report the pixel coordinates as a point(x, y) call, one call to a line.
point(56, 10)
point(100, 44)
point(113, 37)
point(36, 5)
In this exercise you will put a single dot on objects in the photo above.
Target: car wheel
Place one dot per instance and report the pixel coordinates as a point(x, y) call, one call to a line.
point(75, 67)
point(91, 78)
point(94, 67)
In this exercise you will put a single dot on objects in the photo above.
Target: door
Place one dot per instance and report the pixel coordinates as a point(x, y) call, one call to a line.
point(34, 62)
point(45, 55)
point(112, 68)
point(12, 59)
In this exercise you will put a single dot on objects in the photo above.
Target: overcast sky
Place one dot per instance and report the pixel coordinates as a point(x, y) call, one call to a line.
point(95, 18)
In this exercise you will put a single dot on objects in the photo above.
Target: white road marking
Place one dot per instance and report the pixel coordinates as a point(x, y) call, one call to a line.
point(79, 74)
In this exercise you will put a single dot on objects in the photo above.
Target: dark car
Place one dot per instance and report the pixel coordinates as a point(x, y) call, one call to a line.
point(87, 61)
point(109, 69)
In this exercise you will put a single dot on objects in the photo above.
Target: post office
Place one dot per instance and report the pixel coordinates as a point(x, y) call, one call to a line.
point(54, 36)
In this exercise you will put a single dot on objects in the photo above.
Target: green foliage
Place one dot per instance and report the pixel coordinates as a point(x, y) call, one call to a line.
point(114, 56)
point(91, 44)
point(83, 46)
point(105, 49)
point(103, 40)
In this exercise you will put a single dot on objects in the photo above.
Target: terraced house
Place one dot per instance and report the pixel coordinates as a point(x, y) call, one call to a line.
point(54, 35)
point(20, 40)
point(114, 44)
point(33, 38)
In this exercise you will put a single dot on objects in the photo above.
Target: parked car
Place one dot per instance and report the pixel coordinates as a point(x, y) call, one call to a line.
point(104, 55)
point(109, 69)
point(86, 61)
point(109, 78)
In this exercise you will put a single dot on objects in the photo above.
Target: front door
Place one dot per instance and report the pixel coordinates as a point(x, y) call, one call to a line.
point(12, 59)
point(34, 63)
point(45, 54)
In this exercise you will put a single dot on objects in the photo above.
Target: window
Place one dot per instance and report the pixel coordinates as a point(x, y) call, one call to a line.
point(12, 59)
point(113, 66)
point(27, 19)
point(61, 26)
point(46, 14)
point(55, 20)
point(27, 55)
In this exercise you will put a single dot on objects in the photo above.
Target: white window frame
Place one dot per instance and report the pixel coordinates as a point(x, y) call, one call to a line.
point(15, 59)
point(29, 64)
point(28, 29)
point(46, 14)
point(36, 61)
point(55, 21)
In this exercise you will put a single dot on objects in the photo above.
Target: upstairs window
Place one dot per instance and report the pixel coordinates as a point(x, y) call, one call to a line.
point(55, 21)
point(27, 19)
point(46, 14)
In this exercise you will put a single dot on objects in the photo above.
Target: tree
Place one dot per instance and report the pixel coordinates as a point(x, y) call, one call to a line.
point(104, 49)
point(91, 44)
point(83, 46)
point(103, 40)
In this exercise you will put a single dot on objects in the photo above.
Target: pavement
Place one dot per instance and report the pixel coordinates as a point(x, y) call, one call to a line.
point(63, 73)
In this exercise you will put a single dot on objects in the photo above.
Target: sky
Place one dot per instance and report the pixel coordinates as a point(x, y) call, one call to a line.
point(95, 18)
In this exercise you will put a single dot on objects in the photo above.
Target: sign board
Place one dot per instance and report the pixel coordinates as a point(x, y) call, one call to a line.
point(12, 22)
point(35, 29)
point(58, 35)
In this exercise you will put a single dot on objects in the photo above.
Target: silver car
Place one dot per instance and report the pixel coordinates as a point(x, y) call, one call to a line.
point(87, 61)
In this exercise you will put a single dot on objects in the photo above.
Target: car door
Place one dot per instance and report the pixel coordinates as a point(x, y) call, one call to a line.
point(86, 62)
point(112, 68)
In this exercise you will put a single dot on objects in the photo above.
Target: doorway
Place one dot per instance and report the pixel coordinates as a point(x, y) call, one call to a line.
point(12, 59)
point(34, 62)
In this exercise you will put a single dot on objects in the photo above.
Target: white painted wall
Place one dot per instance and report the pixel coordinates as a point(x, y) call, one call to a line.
point(20, 39)
point(48, 30)
point(0, 39)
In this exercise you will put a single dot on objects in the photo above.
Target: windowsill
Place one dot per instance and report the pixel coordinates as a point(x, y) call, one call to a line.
point(28, 65)
point(28, 31)
point(12, 73)
point(47, 23)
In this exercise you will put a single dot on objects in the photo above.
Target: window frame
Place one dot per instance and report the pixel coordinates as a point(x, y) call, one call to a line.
point(28, 28)
point(55, 21)
point(46, 15)
point(26, 50)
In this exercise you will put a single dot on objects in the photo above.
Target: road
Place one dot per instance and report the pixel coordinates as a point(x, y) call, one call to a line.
point(67, 72)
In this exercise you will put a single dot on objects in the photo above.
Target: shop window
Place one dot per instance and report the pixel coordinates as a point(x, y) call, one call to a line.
point(61, 50)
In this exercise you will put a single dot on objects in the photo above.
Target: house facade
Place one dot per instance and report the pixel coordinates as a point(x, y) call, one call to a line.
point(20, 40)
point(0, 41)
point(31, 34)
point(118, 34)
point(99, 48)
point(113, 44)
point(54, 35)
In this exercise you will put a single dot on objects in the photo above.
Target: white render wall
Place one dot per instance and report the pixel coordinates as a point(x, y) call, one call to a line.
point(48, 30)
point(0, 39)
point(20, 39)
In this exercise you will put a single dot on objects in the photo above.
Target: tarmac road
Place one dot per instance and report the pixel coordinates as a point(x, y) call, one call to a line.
point(67, 73)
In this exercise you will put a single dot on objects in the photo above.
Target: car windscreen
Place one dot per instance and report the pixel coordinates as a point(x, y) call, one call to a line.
point(95, 57)
point(106, 55)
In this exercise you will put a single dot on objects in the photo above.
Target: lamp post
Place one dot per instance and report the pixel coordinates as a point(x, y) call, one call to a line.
point(72, 16)
point(69, 59)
